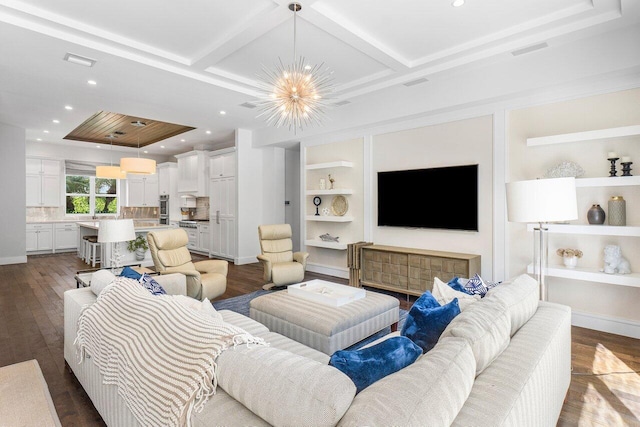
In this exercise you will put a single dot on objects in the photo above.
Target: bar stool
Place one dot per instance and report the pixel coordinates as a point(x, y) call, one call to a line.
point(91, 250)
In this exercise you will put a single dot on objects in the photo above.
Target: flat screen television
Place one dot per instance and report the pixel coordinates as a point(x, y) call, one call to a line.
point(443, 198)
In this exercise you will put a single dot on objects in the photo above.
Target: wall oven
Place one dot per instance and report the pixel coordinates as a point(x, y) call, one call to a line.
point(164, 209)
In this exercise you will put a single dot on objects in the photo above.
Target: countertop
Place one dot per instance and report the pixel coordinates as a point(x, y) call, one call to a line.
point(58, 221)
point(137, 225)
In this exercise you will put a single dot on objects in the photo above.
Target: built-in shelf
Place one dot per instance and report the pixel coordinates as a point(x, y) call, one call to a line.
point(329, 218)
point(594, 230)
point(327, 245)
point(608, 181)
point(591, 275)
point(329, 192)
point(337, 164)
point(592, 135)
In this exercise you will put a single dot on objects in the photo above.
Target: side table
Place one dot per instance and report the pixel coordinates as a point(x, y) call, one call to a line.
point(83, 277)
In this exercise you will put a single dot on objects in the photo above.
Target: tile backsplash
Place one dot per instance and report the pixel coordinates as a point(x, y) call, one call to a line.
point(201, 211)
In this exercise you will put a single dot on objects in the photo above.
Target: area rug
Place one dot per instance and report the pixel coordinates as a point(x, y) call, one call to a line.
point(240, 305)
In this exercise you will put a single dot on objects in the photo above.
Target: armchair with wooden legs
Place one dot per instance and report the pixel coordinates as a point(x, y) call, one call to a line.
point(205, 279)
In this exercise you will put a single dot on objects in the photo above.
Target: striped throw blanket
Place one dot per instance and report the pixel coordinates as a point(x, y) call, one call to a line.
point(159, 353)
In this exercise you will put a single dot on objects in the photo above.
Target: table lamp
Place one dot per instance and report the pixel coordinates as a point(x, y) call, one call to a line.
point(542, 201)
point(116, 231)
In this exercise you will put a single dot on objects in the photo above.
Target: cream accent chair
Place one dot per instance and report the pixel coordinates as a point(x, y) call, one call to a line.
point(281, 265)
point(205, 279)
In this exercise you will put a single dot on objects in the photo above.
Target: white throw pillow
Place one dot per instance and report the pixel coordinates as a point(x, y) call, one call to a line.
point(203, 306)
point(445, 294)
point(100, 279)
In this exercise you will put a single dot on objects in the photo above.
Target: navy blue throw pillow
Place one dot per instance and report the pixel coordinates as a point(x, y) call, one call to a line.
point(151, 285)
point(427, 319)
point(456, 285)
point(370, 364)
point(130, 273)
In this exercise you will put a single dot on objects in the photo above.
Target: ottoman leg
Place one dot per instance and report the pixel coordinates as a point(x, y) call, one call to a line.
point(394, 327)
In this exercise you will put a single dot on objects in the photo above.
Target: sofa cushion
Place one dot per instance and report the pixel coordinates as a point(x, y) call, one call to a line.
point(100, 279)
point(445, 294)
point(521, 296)
point(370, 364)
point(486, 325)
point(283, 388)
point(430, 392)
point(427, 319)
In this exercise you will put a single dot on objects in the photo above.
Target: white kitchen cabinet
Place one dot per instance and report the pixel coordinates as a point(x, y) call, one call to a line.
point(142, 190)
point(39, 237)
point(222, 202)
point(193, 171)
point(192, 233)
point(204, 238)
point(43, 182)
point(66, 236)
point(222, 165)
point(167, 179)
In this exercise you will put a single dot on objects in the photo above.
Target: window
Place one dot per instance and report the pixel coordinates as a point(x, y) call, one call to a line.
point(91, 195)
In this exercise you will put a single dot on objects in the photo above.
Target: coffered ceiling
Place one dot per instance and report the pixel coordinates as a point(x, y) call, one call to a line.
point(185, 62)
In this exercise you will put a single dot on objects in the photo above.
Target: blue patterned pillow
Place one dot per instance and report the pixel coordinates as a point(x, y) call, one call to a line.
point(130, 273)
point(370, 364)
point(477, 286)
point(151, 285)
point(427, 319)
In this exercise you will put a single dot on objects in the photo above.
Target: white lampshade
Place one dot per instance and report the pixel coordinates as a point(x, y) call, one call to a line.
point(138, 165)
point(116, 230)
point(542, 200)
point(110, 172)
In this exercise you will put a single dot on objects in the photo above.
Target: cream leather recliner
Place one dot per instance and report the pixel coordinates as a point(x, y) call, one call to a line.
point(205, 279)
point(281, 265)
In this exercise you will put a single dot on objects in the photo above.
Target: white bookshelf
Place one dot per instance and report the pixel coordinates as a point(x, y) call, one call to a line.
point(592, 135)
point(329, 192)
point(326, 245)
point(329, 218)
point(609, 181)
point(336, 164)
point(590, 229)
point(591, 275)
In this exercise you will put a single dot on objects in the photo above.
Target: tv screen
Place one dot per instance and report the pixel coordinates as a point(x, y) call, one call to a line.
point(445, 198)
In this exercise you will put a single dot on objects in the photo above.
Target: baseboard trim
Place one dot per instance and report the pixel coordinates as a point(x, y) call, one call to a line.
point(612, 325)
point(13, 260)
point(246, 260)
point(329, 271)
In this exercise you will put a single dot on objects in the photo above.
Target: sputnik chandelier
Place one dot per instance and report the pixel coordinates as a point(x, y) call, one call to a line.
point(297, 93)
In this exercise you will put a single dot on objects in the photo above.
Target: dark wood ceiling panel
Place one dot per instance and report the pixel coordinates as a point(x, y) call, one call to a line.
point(98, 127)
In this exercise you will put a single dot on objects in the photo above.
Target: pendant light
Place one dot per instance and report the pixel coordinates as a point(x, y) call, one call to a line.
point(138, 165)
point(113, 172)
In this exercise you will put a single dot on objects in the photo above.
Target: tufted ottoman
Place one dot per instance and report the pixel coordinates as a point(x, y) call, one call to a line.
point(324, 327)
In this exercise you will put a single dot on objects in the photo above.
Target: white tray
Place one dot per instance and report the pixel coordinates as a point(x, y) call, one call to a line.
point(327, 293)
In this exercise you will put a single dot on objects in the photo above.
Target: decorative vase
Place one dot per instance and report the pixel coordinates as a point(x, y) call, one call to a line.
point(570, 261)
point(140, 252)
point(595, 215)
point(617, 211)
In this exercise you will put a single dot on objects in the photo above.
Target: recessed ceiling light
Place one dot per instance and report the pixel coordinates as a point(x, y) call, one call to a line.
point(97, 146)
point(56, 121)
point(92, 82)
point(45, 131)
point(183, 140)
point(38, 139)
point(68, 107)
point(145, 151)
point(208, 132)
point(457, 3)
point(162, 146)
point(222, 113)
point(80, 60)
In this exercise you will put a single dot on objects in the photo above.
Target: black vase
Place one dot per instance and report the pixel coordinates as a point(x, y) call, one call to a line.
point(595, 215)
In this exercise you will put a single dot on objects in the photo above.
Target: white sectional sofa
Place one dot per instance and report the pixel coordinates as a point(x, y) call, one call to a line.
point(504, 361)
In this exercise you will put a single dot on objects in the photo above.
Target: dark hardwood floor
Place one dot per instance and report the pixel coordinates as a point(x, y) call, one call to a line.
point(31, 327)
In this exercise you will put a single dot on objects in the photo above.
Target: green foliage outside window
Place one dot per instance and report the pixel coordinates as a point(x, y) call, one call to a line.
point(79, 195)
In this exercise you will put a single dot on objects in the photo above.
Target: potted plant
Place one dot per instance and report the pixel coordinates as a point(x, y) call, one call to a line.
point(570, 256)
point(139, 246)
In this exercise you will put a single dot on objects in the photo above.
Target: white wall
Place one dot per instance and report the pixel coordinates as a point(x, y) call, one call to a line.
point(449, 144)
point(597, 305)
point(260, 192)
point(12, 178)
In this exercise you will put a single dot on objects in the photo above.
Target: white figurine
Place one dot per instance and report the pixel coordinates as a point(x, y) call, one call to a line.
point(614, 262)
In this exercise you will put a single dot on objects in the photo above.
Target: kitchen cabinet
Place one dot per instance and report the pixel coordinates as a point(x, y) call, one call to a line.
point(142, 190)
point(39, 237)
point(167, 179)
point(222, 201)
point(193, 171)
point(66, 236)
point(204, 238)
point(192, 233)
point(43, 182)
point(222, 165)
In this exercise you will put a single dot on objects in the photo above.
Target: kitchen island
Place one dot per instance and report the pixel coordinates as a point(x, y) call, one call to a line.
point(90, 228)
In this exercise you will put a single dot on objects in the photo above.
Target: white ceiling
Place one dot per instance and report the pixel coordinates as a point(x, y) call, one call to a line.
point(184, 62)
